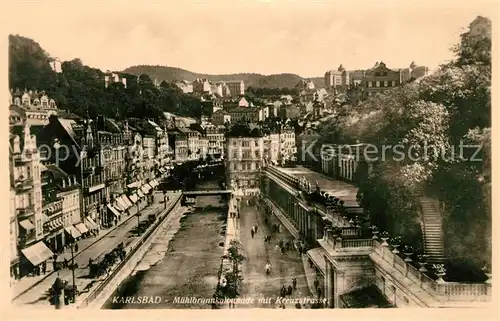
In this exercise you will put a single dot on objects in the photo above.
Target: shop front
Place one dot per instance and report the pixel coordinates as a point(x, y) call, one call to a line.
point(34, 259)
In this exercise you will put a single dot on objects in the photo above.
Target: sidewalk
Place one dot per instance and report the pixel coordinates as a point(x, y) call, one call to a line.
point(89, 247)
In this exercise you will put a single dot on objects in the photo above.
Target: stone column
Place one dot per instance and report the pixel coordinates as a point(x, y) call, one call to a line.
point(349, 170)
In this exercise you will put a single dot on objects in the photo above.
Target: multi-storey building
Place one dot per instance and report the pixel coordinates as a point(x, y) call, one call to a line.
point(201, 86)
point(244, 157)
point(74, 147)
point(236, 88)
point(150, 166)
point(61, 208)
point(368, 82)
point(221, 117)
point(337, 80)
point(216, 140)
point(112, 146)
point(179, 141)
point(32, 107)
point(185, 86)
point(26, 175)
point(111, 77)
point(246, 114)
point(14, 227)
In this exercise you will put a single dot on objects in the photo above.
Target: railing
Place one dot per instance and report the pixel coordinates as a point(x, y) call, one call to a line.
point(357, 243)
point(100, 287)
point(30, 209)
point(447, 291)
point(24, 184)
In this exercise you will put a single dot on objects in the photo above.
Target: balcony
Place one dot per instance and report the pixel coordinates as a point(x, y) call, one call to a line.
point(53, 208)
point(24, 184)
point(26, 211)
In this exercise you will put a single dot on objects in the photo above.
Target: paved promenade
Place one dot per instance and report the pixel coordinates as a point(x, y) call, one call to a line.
point(33, 291)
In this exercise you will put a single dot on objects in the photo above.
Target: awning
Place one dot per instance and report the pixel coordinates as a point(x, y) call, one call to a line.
point(367, 297)
point(145, 188)
point(127, 201)
point(37, 253)
point(134, 198)
point(82, 228)
point(122, 203)
point(73, 231)
point(113, 210)
point(117, 205)
point(27, 225)
point(90, 223)
point(140, 194)
point(133, 185)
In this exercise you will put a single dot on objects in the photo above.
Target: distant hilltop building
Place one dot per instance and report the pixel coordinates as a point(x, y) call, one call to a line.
point(185, 86)
point(203, 86)
point(111, 77)
point(305, 84)
point(376, 79)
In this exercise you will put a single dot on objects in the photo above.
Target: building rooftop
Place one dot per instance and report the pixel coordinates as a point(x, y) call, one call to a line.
point(340, 189)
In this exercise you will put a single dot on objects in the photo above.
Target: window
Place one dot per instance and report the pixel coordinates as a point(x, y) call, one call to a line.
point(386, 83)
point(394, 83)
point(378, 84)
point(370, 84)
point(384, 73)
point(377, 74)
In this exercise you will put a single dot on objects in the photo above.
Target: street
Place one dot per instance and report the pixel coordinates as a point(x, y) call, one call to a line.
point(182, 262)
point(38, 294)
point(256, 283)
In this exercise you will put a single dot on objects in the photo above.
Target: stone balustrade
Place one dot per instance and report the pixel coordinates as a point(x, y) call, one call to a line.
point(446, 291)
point(382, 256)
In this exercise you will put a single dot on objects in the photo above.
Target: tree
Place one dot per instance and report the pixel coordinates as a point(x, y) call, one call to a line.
point(437, 113)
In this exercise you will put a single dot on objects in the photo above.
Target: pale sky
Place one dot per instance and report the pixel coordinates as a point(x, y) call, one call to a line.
point(220, 37)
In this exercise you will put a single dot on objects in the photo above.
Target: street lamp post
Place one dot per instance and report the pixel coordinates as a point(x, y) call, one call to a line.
point(138, 217)
point(73, 273)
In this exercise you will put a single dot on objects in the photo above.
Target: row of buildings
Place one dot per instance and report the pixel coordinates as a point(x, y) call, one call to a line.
point(71, 176)
point(376, 79)
point(205, 86)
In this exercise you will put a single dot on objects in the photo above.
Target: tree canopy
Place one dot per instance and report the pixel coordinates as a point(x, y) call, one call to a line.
point(429, 120)
point(79, 88)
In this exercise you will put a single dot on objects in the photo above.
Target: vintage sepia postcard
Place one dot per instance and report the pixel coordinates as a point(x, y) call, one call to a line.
point(268, 155)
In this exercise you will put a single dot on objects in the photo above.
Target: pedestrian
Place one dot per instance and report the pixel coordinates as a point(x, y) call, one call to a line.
point(252, 232)
point(298, 306)
point(320, 293)
point(256, 228)
point(294, 283)
point(65, 263)
point(44, 267)
point(316, 283)
point(282, 250)
point(90, 261)
point(283, 291)
point(290, 290)
point(76, 247)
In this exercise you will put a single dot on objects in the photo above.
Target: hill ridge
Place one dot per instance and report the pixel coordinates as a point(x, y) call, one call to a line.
point(256, 80)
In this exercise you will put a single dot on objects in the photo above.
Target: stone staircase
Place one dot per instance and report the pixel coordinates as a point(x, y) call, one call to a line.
point(432, 229)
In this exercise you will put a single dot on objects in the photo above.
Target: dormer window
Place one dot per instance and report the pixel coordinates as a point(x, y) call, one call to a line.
point(45, 101)
point(36, 102)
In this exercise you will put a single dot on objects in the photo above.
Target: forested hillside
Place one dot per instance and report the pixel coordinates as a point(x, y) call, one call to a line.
point(170, 74)
point(440, 113)
point(79, 88)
